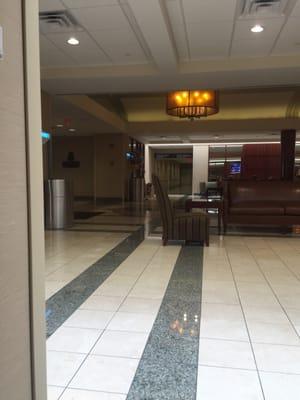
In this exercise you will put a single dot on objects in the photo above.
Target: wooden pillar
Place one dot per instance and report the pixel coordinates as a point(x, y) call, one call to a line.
point(288, 142)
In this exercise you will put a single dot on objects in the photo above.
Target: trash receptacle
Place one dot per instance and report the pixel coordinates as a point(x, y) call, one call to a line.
point(58, 204)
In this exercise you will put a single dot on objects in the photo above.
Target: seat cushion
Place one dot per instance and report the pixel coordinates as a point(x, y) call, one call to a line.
point(292, 210)
point(256, 210)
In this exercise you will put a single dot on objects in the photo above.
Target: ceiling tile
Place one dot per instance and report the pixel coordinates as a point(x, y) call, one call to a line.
point(289, 39)
point(177, 24)
point(51, 5)
point(287, 48)
point(106, 17)
point(204, 43)
point(272, 28)
point(121, 46)
point(86, 53)
point(203, 34)
point(89, 3)
point(51, 56)
point(209, 10)
point(296, 10)
point(290, 31)
point(251, 48)
point(174, 12)
point(181, 43)
point(215, 51)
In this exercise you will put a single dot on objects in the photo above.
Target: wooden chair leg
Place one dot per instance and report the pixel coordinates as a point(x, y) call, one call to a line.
point(165, 241)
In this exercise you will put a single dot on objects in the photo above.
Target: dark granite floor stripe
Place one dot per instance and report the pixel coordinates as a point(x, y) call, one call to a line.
point(87, 222)
point(100, 230)
point(62, 304)
point(169, 365)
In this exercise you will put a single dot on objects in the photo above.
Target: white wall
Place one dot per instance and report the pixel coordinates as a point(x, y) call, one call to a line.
point(200, 166)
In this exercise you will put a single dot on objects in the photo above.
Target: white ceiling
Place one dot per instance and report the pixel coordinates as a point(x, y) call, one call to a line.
point(166, 42)
point(106, 35)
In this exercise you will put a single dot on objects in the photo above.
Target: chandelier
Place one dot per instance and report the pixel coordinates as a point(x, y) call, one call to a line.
point(192, 103)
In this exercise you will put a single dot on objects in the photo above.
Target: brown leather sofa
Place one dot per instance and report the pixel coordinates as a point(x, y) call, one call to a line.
point(261, 203)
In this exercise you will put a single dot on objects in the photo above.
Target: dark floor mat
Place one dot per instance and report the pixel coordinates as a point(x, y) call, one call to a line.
point(86, 214)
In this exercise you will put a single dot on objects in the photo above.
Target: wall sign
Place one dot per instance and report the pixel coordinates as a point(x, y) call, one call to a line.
point(70, 162)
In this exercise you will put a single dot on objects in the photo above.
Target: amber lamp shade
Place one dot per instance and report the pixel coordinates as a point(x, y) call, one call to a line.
point(192, 103)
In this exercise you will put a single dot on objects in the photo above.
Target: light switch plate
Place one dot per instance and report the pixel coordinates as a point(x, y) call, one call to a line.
point(1, 42)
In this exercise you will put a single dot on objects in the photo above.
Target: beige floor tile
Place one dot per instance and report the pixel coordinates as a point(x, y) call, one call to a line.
point(76, 340)
point(77, 394)
point(90, 319)
point(280, 386)
point(102, 303)
point(62, 366)
point(226, 353)
point(132, 322)
point(116, 374)
point(228, 384)
point(121, 344)
point(261, 332)
point(277, 358)
point(53, 392)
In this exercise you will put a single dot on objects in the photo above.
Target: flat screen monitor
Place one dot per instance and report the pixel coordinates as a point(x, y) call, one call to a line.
point(235, 168)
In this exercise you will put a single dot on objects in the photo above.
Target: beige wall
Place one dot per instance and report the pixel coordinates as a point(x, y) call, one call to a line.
point(83, 149)
point(103, 170)
point(15, 362)
point(109, 166)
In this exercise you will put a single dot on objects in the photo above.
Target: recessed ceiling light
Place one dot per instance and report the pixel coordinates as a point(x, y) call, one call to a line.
point(72, 130)
point(73, 41)
point(257, 28)
point(59, 126)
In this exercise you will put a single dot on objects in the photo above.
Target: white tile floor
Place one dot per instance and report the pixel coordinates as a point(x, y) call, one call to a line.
point(250, 321)
point(250, 344)
point(95, 354)
point(69, 253)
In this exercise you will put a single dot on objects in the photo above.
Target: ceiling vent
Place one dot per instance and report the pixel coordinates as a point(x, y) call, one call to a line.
point(58, 21)
point(263, 8)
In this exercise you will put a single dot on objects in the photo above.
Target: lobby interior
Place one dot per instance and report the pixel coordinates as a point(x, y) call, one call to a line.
point(163, 251)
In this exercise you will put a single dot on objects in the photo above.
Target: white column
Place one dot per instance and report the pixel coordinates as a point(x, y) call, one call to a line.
point(22, 281)
point(35, 197)
point(200, 166)
point(148, 171)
